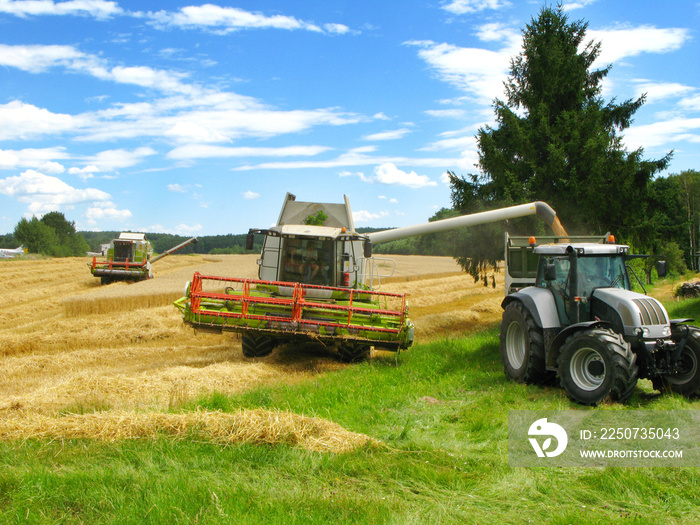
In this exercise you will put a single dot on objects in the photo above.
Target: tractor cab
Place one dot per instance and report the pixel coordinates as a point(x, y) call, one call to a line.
point(573, 272)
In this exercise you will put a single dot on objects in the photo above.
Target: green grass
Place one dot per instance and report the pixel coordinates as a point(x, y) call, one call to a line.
point(441, 409)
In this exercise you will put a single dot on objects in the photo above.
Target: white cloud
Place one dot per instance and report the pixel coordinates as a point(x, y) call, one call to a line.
point(176, 188)
point(94, 214)
point(691, 103)
point(475, 71)
point(206, 151)
point(388, 135)
point(43, 193)
point(658, 91)
point(336, 29)
point(226, 19)
point(570, 6)
point(250, 195)
point(38, 58)
point(358, 174)
point(188, 114)
point(463, 7)
point(664, 133)
point(447, 113)
point(388, 173)
point(42, 159)
point(627, 41)
point(100, 9)
point(114, 159)
point(84, 173)
point(20, 121)
point(352, 158)
point(366, 216)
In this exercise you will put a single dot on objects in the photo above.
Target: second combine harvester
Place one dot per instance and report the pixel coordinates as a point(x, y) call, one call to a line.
point(319, 283)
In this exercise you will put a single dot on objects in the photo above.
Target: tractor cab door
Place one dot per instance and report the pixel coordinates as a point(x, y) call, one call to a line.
point(553, 274)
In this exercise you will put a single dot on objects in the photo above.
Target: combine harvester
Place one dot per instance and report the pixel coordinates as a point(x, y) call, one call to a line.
point(128, 258)
point(319, 283)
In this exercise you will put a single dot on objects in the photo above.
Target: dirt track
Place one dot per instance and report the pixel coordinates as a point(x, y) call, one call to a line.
point(69, 344)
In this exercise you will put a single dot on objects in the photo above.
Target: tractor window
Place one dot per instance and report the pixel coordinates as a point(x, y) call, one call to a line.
point(522, 262)
point(307, 261)
point(602, 272)
point(561, 264)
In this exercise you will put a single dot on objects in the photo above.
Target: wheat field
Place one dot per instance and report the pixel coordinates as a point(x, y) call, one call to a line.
point(69, 344)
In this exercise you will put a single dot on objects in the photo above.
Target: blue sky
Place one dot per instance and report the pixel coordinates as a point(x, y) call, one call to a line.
point(197, 118)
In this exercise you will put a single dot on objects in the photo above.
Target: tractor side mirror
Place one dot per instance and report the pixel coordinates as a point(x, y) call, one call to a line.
point(249, 241)
point(661, 268)
point(550, 272)
point(368, 248)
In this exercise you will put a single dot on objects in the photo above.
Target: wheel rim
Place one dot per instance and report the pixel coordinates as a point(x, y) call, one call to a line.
point(689, 367)
point(587, 369)
point(516, 345)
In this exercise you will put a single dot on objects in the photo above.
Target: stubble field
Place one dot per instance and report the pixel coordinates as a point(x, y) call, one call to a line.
point(71, 346)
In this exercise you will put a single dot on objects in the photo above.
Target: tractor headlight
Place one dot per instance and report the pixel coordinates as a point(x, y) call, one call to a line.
point(645, 332)
point(666, 332)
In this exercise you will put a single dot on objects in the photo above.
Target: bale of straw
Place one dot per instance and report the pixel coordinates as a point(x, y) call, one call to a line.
point(245, 426)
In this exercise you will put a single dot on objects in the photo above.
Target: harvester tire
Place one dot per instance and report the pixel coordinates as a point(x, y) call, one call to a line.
point(597, 365)
point(522, 346)
point(354, 353)
point(687, 381)
point(257, 345)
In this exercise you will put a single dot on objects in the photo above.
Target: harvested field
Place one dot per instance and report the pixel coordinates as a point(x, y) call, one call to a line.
point(68, 344)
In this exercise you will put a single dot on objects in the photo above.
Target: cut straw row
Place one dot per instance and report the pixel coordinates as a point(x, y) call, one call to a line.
point(246, 426)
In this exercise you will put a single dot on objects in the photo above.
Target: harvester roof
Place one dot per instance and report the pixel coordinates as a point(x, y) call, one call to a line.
point(131, 236)
point(303, 230)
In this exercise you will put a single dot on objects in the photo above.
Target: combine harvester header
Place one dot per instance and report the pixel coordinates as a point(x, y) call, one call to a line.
point(128, 258)
point(319, 283)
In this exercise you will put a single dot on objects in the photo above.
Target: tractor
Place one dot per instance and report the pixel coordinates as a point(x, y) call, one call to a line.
point(580, 321)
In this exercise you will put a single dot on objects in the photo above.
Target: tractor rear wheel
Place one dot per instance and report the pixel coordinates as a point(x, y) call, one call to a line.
point(687, 380)
point(257, 345)
point(354, 353)
point(522, 346)
point(596, 365)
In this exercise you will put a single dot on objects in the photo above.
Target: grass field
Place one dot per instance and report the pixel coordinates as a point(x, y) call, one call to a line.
point(112, 412)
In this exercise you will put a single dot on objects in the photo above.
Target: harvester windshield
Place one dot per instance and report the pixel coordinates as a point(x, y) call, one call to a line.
point(308, 261)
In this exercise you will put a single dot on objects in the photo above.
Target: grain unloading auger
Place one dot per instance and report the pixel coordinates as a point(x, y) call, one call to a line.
point(128, 258)
point(318, 283)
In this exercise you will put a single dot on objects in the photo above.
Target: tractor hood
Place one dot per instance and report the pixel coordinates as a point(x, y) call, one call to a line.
point(637, 312)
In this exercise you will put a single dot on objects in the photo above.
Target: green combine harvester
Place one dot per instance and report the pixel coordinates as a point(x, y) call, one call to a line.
point(128, 258)
point(319, 283)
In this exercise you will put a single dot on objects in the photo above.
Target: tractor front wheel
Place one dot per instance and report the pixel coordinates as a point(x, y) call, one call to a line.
point(597, 365)
point(522, 346)
point(687, 379)
point(257, 345)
